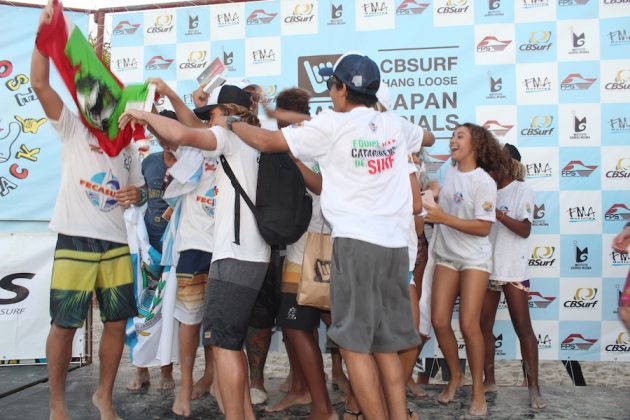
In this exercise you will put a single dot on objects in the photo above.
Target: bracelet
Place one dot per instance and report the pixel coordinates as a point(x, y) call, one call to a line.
point(144, 196)
point(231, 120)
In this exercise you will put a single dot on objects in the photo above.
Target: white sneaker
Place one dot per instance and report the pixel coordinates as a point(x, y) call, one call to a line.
point(258, 396)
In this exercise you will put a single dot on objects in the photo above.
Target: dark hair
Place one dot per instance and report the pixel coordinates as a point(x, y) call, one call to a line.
point(490, 154)
point(294, 99)
point(169, 114)
point(245, 114)
point(355, 97)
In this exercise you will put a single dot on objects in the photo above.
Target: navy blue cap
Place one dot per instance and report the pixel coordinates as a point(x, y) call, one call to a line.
point(514, 153)
point(357, 71)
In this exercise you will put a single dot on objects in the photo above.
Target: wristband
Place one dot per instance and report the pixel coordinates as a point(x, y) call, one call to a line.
point(231, 120)
point(143, 197)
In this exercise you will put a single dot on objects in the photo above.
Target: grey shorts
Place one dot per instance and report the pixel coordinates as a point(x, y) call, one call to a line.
point(232, 289)
point(370, 298)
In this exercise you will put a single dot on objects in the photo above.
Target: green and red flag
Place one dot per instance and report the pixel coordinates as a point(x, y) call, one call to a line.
point(100, 97)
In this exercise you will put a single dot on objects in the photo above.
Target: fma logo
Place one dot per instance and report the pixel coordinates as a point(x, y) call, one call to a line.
point(126, 64)
point(537, 84)
point(617, 259)
point(576, 81)
point(542, 256)
point(622, 169)
point(621, 344)
point(544, 342)
point(125, 28)
point(157, 62)
point(260, 17)
point(491, 44)
point(619, 125)
point(374, 8)
point(308, 73)
point(581, 214)
point(572, 2)
point(228, 18)
point(621, 82)
point(196, 60)
point(538, 41)
point(263, 55)
point(302, 13)
point(496, 128)
point(577, 342)
point(101, 189)
point(454, 7)
point(539, 216)
point(617, 212)
point(576, 168)
point(585, 297)
point(336, 14)
point(495, 87)
point(529, 4)
point(411, 7)
point(162, 24)
point(539, 170)
point(494, 8)
point(619, 37)
point(541, 125)
point(538, 301)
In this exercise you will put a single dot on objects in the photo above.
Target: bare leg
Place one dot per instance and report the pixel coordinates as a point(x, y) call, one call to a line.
point(445, 290)
point(232, 375)
point(203, 384)
point(166, 378)
point(141, 378)
point(393, 379)
point(109, 354)
point(339, 379)
point(474, 284)
point(409, 356)
point(257, 345)
point(488, 315)
point(58, 356)
point(188, 343)
point(365, 383)
point(519, 313)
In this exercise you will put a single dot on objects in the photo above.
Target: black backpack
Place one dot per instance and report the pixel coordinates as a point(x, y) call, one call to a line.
point(283, 206)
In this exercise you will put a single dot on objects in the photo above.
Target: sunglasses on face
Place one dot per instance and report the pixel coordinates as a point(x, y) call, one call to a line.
point(329, 82)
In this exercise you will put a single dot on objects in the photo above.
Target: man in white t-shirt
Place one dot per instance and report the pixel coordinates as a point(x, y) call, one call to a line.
point(91, 253)
point(366, 198)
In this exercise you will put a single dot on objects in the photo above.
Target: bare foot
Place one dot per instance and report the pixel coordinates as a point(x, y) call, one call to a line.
point(201, 387)
point(341, 383)
point(535, 400)
point(166, 382)
point(490, 387)
point(451, 388)
point(323, 416)
point(412, 415)
point(141, 379)
point(104, 406)
point(214, 391)
point(416, 390)
point(290, 400)
point(181, 405)
point(478, 405)
point(58, 411)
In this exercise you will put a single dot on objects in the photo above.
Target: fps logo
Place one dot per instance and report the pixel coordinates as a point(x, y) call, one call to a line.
point(585, 297)
point(260, 17)
point(621, 344)
point(576, 168)
point(542, 256)
point(575, 81)
point(101, 189)
point(496, 128)
point(411, 7)
point(540, 125)
point(577, 342)
point(538, 301)
point(538, 41)
point(21, 292)
point(617, 212)
point(157, 62)
point(490, 44)
point(308, 73)
point(125, 28)
point(162, 24)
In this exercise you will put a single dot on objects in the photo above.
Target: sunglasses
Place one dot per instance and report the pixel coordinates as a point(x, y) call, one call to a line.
point(329, 82)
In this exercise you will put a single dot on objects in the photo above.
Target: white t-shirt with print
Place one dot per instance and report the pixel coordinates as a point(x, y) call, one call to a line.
point(295, 251)
point(244, 163)
point(466, 195)
point(511, 251)
point(412, 245)
point(85, 204)
point(362, 155)
point(196, 226)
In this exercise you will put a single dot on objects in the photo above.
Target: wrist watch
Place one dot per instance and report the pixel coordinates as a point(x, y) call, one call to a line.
point(231, 120)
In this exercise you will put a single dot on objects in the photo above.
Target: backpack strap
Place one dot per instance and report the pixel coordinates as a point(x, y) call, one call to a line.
point(239, 192)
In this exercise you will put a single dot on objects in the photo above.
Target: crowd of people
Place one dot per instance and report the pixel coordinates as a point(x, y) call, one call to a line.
point(404, 248)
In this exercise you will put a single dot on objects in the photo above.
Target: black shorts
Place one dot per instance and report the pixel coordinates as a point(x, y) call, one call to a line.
point(297, 317)
point(268, 299)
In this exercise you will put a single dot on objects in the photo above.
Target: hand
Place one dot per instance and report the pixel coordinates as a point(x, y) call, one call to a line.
point(435, 215)
point(499, 214)
point(169, 158)
point(271, 113)
point(133, 117)
point(161, 88)
point(200, 97)
point(46, 16)
point(621, 242)
point(127, 195)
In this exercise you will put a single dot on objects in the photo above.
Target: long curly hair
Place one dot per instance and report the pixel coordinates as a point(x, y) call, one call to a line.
point(489, 152)
point(245, 114)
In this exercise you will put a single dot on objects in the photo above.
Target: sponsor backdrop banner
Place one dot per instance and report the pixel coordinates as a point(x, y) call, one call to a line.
point(29, 148)
point(551, 76)
point(24, 298)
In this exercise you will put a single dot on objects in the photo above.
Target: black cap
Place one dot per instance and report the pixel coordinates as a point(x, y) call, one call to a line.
point(226, 94)
point(513, 151)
